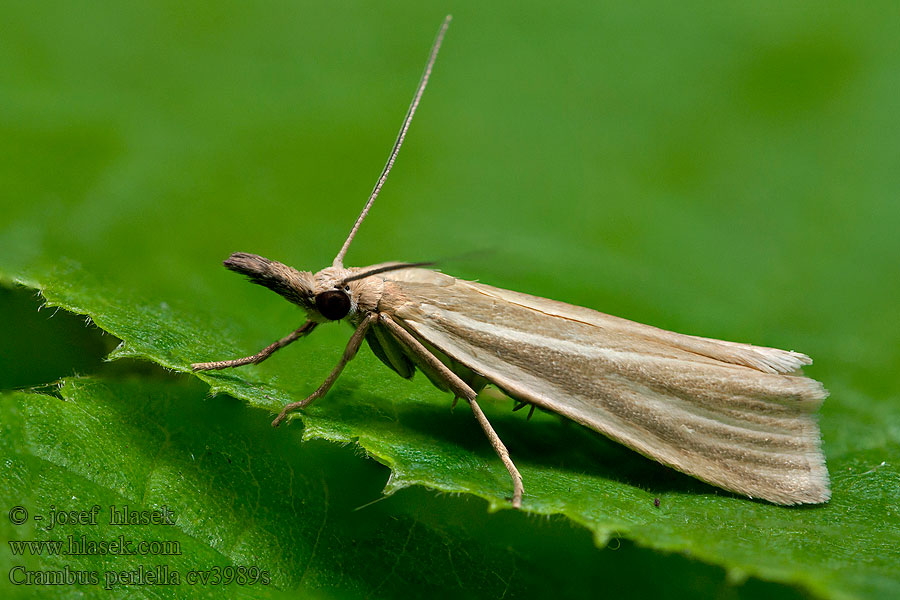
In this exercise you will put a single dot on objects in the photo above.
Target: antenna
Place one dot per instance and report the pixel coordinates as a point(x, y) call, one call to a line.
point(339, 259)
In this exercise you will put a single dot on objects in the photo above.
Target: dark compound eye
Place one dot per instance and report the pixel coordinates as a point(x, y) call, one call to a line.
point(333, 304)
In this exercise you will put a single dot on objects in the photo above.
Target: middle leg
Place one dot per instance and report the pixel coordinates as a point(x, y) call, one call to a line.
point(461, 389)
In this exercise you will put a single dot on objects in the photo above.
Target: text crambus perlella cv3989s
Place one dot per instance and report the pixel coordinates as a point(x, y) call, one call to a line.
point(737, 416)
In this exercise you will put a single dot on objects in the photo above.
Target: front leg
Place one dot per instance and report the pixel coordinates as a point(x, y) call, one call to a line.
point(349, 352)
point(260, 356)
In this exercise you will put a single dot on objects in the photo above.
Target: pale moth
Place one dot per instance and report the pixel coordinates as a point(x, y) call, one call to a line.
point(737, 416)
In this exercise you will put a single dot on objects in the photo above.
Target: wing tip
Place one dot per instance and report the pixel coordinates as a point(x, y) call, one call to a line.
point(804, 484)
point(814, 488)
point(773, 360)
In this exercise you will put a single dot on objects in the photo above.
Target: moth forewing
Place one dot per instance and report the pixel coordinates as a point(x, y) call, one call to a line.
point(671, 397)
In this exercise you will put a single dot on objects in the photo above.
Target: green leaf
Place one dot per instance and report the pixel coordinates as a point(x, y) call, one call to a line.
point(238, 497)
point(730, 176)
point(292, 517)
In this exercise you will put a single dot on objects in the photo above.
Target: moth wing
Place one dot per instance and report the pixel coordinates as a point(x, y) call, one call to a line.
point(734, 415)
point(769, 360)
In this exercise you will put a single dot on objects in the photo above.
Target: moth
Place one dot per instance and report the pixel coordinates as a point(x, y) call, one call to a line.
point(737, 416)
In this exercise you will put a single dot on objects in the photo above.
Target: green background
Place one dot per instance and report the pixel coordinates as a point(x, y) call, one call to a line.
point(729, 172)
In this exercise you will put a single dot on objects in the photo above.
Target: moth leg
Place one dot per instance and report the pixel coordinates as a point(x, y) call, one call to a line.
point(461, 389)
point(349, 352)
point(260, 356)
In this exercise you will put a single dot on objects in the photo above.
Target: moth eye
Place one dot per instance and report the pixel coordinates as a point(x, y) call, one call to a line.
point(333, 304)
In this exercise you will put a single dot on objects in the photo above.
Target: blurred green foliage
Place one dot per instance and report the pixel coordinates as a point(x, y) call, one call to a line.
point(721, 171)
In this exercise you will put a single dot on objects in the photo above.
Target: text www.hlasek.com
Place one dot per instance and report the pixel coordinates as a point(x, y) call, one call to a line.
point(80, 546)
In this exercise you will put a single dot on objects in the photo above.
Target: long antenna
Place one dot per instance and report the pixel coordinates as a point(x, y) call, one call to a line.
point(339, 259)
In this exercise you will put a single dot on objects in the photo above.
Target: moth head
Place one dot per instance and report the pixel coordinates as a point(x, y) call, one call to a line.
point(324, 295)
point(333, 298)
point(295, 286)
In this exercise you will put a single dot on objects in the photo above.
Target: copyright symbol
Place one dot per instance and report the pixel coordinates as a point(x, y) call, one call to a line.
point(18, 515)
